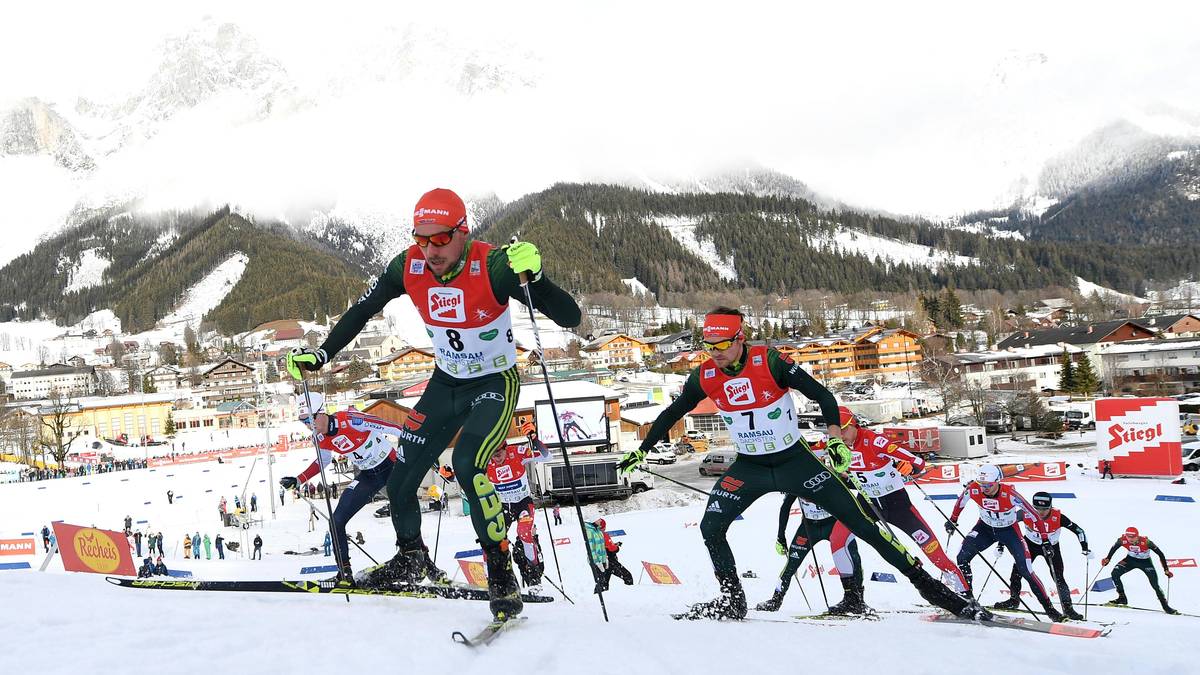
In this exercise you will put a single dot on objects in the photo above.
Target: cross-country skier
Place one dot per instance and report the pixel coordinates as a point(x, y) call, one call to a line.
point(881, 467)
point(1000, 507)
point(360, 438)
point(1137, 556)
point(816, 526)
point(507, 471)
point(1055, 520)
point(750, 386)
point(570, 422)
point(462, 290)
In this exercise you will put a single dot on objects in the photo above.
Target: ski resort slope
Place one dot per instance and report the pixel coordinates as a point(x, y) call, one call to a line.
point(59, 622)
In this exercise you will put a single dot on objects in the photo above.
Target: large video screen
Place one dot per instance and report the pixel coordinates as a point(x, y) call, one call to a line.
point(582, 421)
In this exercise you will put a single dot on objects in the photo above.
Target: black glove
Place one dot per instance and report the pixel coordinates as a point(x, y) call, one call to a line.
point(951, 527)
point(288, 482)
point(1048, 552)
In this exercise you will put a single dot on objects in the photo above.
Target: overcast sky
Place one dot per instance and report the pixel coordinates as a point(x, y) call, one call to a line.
point(936, 110)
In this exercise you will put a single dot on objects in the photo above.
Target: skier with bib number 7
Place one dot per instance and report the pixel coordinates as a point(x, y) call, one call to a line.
point(461, 289)
point(751, 388)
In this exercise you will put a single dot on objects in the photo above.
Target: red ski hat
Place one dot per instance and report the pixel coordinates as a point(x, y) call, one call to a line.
point(718, 327)
point(1131, 532)
point(440, 207)
point(846, 417)
point(600, 523)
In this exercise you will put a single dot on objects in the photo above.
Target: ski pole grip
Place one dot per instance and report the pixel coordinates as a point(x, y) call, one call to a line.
point(524, 276)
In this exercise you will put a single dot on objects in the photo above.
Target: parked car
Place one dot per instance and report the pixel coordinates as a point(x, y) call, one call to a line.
point(1191, 456)
point(716, 463)
point(661, 453)
point(696, 436)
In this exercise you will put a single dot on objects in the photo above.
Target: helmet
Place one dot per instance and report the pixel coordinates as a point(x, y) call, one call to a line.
point(1042, 500)
point(440, 207)
point(600, 523)
point(846, 417)
point(302, 406)
point(989, 473)
point(1131, 532)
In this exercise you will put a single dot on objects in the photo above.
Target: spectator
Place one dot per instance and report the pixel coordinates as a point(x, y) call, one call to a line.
point(187, 547)
point(220, 547)
point(257, 547)
point(46, 538)
point(137, 542)
point(146, 570)
point(312, 518)
point(53, 542)
point(170, 496)
point(1106, 469)
point(333, 491)
point(557, 515)
point(128, 526)
point(281, 493)
point(328, 545)
point(196, 546)
point(223, 507)
point(159, 541)
point(207, 547)
point(161, 568)
point(237, 502)
point(253, 502)
point(614, 566)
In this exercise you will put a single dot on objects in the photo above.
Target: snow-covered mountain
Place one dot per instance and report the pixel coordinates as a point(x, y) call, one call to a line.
point(33, 127)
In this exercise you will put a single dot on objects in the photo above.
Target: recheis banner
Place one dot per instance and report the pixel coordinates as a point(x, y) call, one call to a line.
point(1041, 471)
point(474, 572)
point(660, 574)
point(86, 549)
point(17, 547)
point(1139, 436)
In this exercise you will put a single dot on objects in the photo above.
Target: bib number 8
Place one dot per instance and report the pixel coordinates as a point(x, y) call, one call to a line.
point(455, 339)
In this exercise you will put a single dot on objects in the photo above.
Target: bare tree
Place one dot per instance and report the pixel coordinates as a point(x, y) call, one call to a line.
point(976, 397)
point(56, 437)
point(943, 375)
point(18, 431)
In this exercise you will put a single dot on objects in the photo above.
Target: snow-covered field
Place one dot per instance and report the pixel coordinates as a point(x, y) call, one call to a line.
point(133, 631)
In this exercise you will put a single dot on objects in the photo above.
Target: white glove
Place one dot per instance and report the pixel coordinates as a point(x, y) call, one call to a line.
point(1090, 554)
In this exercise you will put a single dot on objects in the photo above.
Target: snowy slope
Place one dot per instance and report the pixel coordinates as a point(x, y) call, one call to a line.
point(89, 271)
point(1087, 288)
point(207, 293)
point(893, 250)
point(272, 633)
point(684, 231)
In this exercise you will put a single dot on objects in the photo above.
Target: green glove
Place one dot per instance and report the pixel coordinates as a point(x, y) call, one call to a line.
point(631, 460)
point(308, 359)
point(524, 257)
point(780, 547)
point(838, 453)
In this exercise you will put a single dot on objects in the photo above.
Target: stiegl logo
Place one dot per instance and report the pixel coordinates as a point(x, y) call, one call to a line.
point(446, 304)
point(739, 391)
point(1119, 435)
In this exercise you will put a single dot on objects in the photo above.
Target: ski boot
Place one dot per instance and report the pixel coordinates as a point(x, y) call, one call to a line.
point(938, 595)
point(1011, 603)
point(504, 596)
point(406, 567)
point(1054, 615)
point(731, 604)
point(1119, 601)
point(1170, 610)
point(852, 599)
point(433, 573)
point(1070, 613)
point(771, 605)
point(344, 578)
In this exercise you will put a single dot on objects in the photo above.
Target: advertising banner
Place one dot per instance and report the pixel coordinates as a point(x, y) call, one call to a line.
point(1139, 436)
point(86, 549)
point(474, 572)
point(661, 574)
point(17, 547)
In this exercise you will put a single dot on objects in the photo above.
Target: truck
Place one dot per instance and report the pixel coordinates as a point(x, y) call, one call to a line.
point(1075, 415)
point(595, 474)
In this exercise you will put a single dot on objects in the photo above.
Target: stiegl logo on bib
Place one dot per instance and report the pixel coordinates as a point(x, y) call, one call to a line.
point(446, 304)
point(739, 391)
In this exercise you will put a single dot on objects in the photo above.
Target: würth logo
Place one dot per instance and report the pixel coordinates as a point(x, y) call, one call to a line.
point(731, 484)
point(446, 304)
point(739, 391)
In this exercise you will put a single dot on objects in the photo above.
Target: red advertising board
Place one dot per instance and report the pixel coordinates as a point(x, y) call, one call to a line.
point(1042, 471)
point(17, 547)
point(941, 473)
point(1139, 436)
point(660, 573)
point(86, 549)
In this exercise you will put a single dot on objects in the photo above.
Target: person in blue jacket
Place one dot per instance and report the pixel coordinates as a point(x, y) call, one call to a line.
point(328, 545)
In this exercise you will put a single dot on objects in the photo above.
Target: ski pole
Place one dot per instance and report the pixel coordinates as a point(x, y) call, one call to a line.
point(321, 471)
point(672, 480)
point(999, 552)
point(560, 591)
point(804, 595)
point(813, 548)
point(438, 537)
point(985, 560)
point(1087, 560)
point(537, 337)
point(360, 548)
